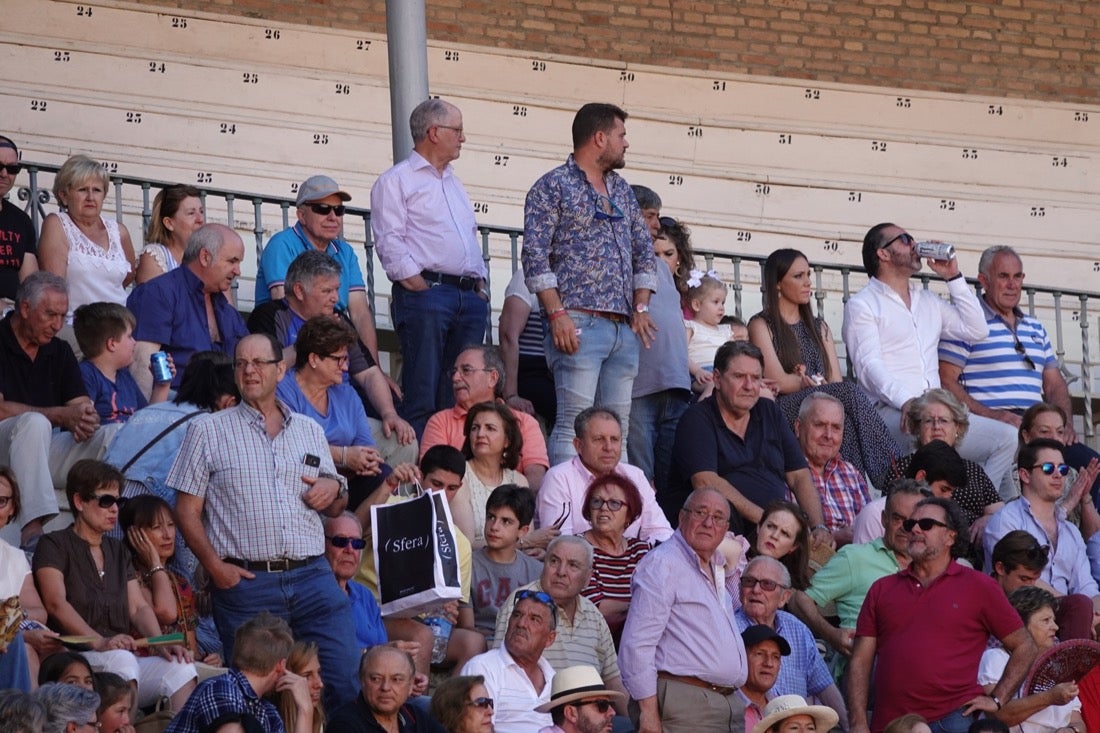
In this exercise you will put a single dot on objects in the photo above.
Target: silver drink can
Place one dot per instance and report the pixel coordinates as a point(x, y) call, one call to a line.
point(936, 250)
point(158, 362)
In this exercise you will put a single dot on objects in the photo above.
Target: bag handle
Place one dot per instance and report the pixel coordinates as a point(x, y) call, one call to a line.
point(160, 435)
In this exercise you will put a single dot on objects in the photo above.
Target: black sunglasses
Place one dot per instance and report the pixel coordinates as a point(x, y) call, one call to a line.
point(357, 543)
point(325, 209)
point(481, 702)
point(1049, 468)
point(1023, 352)
point(12, 169)
point(905, 237)
point(925, 523)
point(106, 501)
point(668, 222)
point(1037, 551)
point(602, 705)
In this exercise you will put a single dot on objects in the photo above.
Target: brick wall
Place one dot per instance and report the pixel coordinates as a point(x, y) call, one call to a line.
point(1036, 49)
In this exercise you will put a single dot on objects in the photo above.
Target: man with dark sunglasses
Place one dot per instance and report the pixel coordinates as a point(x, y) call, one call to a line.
point(427, 241)
point(1042, 470)
point(320, 227)
point(892, 330)
point(1002, 375)
point(579, 702)
point(18, 241)
point(923, 630)
point(588, 256)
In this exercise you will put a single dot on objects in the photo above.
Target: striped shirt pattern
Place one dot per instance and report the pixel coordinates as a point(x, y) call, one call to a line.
point(994, 372)
point(611, 575)
point(253, 484)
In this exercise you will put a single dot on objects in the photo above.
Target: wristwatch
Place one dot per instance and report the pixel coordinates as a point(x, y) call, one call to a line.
point(641, 307)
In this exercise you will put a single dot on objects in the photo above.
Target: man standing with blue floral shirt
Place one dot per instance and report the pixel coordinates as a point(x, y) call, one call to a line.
point(588, 255)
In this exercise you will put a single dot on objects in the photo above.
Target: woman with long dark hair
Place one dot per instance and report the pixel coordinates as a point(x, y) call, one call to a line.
point(800, 357)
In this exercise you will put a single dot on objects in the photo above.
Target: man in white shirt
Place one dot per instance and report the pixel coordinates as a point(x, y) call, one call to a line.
point(892, 330)
point(426, 236)
point(516, 674)
point(599, 445)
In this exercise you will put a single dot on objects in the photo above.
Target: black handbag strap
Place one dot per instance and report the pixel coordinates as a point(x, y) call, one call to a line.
point(160, 435)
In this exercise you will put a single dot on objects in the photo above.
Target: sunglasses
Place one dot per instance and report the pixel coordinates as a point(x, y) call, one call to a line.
point(748, 583)
point(596, 504)
point(12, 170)
point(925, 523)
point(1049, 468)
point(326, 209)
point(1037, 551)
point(357, 543)
point(607, 210)
point(481, 702)
point(602, 705)
point(905, 237)
point(667, 222)
point(1023, 353)
point(536, 595)
point(106, 501)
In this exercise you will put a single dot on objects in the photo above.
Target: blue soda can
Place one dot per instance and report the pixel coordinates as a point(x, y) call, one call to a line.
point(159, 364)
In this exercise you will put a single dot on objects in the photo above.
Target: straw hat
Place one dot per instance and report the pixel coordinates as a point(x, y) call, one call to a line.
point(787, 706)
point(577, 683)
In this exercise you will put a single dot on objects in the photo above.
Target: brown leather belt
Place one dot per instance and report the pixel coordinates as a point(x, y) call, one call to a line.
point(269, 566)
point(696, 682)
point(613, 317)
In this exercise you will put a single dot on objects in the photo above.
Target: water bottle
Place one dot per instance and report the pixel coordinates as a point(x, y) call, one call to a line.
point(441, 635)
point(936, 250)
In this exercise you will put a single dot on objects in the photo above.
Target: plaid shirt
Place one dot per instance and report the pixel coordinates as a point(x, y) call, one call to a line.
point(218, 696)
point(843, 492)
point(252, 484)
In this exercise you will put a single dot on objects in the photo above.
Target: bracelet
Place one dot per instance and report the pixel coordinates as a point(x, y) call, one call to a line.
point(344, 456)
point(555, 314)
point(953, 278)
point(155, 570)
point(996, 700)
point(819, 526)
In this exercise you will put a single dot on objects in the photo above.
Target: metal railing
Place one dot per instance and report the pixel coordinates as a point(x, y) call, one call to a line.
point(1052, 299)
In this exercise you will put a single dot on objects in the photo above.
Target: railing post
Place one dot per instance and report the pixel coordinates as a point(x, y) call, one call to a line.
point(368, 249)
point(118, 199)
point(737, 287)
point(258, 229)
point(146, 210)
point(819, 291)
point(488, 285)
point(1086, 376)
point(514, 236)
point(230, 219)
point(1059, 348)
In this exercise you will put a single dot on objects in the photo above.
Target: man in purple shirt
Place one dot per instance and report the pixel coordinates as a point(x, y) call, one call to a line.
point(681, 632)
point(588, 255)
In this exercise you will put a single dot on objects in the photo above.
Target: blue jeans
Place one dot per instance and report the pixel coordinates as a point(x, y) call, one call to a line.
point(434, 326)
point(653, 421)
point(311, 602)
point(601, 372)
point(955, 722)
point(15, 670)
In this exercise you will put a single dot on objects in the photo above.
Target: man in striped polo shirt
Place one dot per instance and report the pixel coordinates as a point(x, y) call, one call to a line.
point(1014, 366)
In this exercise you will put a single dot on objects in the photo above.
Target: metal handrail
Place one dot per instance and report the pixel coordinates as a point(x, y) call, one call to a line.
point(36, 198)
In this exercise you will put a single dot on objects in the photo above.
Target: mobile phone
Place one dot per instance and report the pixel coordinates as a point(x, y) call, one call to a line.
point(312, 465)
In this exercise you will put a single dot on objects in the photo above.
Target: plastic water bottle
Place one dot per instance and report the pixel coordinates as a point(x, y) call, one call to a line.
point(441, 635)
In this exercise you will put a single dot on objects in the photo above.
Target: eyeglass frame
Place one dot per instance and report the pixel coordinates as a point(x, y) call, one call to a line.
point(908, 239)
point(749, 582)
point(341, 542)
point(1061, 468)
point(326, 209)
point(910, 524)
point(7, 168)
point(257, 364)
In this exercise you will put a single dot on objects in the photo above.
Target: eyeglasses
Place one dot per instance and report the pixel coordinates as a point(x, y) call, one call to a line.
point(702, 515)
point(925, 523)
point(5, 501)
point(481, 702)
point(596, 503)
point(935, 422)
point(607, 210)
point(450, 127)
point(905, 237)
point(1023, 352)
point(748, 583)
point(602, 705)
point(340, 359)
point(257, 364)
point(326, 209)
point(536, 595)
point(106, 501)
point(12, 169)
point(466, 370)
point(1037, 551)
point(340, 541)
point(1049, 468)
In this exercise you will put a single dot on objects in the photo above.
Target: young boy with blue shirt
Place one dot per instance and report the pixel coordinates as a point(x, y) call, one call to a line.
point(105, 334)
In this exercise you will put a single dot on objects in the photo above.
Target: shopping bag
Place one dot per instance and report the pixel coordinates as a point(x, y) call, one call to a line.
point(415, 555)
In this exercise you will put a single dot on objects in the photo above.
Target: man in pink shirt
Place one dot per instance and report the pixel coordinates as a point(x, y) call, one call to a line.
point(478, 376)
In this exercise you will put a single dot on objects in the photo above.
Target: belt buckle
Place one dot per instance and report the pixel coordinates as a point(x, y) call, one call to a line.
point(277, 566)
